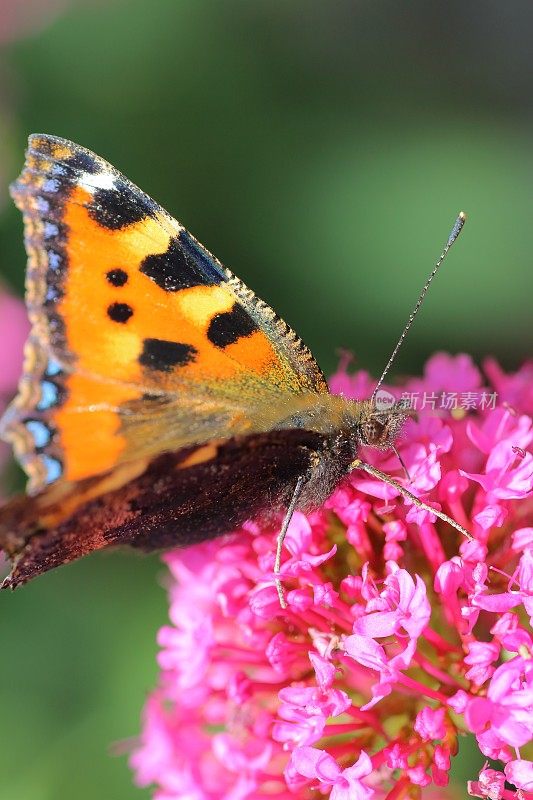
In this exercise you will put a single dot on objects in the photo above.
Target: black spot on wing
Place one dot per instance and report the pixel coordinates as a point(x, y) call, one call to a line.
point(163, 356)
point(119, 206)
point(178, 268)
point(84, 162)
point(119, 312)
point(117, 277)
point(202, 258)
point(225, 329)
point(152, 397)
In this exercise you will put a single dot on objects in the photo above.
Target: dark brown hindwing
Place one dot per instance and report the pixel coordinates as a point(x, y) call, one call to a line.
point(176, 501)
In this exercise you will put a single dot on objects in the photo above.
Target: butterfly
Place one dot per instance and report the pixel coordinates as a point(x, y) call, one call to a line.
point(161, 402)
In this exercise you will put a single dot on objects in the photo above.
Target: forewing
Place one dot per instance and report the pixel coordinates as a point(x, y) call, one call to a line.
point(141, 341)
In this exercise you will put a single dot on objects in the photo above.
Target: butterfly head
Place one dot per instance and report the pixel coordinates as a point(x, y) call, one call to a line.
point(379, 427)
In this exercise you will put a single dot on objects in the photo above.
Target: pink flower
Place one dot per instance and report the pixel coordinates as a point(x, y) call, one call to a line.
point(402, 607)
point(429, 723)
point(505, 716)
point(491, 784)
point(508, 475)
point(520, 773)
point(480, 657)
point(367, 652)
point(358, 385)
point(451, 373)
point(304, 710)
point(345, 784)
point(399, 636)
point(516, 389)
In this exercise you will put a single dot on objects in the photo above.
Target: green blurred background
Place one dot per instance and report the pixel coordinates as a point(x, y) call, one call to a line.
point(322, 150)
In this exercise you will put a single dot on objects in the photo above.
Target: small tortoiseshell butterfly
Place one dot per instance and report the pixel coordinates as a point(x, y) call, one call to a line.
point(161, 401)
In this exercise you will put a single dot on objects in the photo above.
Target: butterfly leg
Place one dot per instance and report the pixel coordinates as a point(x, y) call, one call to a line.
point(281, 539)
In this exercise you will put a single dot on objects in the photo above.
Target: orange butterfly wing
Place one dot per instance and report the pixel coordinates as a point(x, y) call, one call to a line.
point(141, 342)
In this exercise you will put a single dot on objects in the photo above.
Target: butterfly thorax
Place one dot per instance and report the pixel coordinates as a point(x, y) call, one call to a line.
point(342, 427)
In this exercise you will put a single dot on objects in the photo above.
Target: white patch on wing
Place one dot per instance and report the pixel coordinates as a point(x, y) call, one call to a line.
point(102, 180)
point(51, 185)
point(54, 260)
point(50, 230)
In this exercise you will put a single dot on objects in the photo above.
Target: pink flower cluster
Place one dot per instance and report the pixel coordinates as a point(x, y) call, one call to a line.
point(399, 637)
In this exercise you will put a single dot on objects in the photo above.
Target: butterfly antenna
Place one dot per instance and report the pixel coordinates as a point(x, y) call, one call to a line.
point(456, 230)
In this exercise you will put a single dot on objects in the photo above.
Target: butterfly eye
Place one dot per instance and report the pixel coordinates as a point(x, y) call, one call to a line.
point(381, 428)
point(374, 432)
